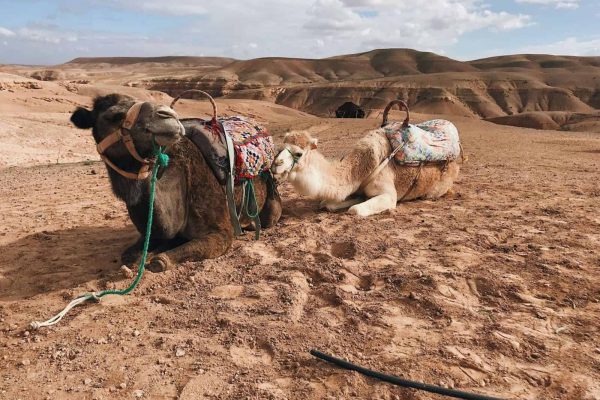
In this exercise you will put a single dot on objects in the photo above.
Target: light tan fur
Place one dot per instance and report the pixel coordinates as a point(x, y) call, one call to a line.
point(337, 182)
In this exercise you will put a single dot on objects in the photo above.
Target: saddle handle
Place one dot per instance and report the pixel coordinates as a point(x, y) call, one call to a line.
point(401, 104)
point(212, 101)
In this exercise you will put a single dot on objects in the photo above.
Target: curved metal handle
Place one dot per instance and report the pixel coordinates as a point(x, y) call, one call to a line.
point(401, 104)
point(212, 101)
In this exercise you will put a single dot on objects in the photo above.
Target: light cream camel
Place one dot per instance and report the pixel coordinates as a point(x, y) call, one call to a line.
point(343, 183)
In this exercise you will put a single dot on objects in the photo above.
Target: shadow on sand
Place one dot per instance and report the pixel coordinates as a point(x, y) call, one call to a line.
point(49, 261)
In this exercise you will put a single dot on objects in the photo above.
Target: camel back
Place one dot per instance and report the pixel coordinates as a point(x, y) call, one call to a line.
point(431, 141)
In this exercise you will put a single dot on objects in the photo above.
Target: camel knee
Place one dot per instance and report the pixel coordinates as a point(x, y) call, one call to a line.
point(271, 212)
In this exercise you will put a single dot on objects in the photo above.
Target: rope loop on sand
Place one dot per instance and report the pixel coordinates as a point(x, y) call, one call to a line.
point(162, 160)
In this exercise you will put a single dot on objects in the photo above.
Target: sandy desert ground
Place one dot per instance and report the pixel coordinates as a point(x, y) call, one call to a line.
point(494, 289)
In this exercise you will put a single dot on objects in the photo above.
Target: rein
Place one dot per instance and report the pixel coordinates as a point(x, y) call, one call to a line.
point(294, 157)
point(162, 160)
point(122, 134)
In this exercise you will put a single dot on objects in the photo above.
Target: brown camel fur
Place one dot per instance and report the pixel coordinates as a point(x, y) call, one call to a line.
point(191, 219)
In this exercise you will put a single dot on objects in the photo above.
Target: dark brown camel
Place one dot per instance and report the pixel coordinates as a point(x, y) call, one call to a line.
point(191, 220)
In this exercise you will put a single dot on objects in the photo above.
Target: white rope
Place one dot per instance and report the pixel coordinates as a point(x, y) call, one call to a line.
point(60, 315)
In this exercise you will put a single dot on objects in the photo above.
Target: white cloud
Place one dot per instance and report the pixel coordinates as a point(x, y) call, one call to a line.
point(433, 25)
point(332, 16)
point(6, 32)
point(46, 35)
point(177, 7)
point(572, 4)
point(295, 28)
point(571, 46)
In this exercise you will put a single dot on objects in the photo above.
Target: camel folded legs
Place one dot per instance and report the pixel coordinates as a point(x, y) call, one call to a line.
point(333, 206)
point(212, 245)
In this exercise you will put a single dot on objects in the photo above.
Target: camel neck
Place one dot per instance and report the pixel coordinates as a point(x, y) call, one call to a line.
point(324, 179)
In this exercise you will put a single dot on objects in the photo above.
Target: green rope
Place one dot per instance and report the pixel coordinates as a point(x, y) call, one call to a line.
point(250, 191)
point(162, 160)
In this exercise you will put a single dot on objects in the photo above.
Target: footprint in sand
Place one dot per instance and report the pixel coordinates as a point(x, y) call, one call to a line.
point(244, 356)
point(345, 250)
point(209, 385)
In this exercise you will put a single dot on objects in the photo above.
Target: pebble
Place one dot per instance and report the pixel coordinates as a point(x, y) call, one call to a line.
point(179, 353)
point(87, 381)
point(123, 385)
point(126, 271)
point(25, 362)
point(138, 393)
point(136, 333)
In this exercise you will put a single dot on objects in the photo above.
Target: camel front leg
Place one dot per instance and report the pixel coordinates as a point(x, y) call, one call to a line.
point(212, 245)
point(375, 205)
point(333, 206)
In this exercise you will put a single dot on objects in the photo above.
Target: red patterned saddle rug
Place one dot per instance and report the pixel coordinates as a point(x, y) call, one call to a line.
point(254, 148)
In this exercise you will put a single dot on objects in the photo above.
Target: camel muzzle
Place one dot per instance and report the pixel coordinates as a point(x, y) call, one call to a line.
point(122, 135)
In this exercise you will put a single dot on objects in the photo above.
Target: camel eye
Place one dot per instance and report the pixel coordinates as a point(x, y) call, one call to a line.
point(298, 155)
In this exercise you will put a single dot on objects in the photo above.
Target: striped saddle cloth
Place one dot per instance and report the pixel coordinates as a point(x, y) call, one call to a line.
point(254, 150)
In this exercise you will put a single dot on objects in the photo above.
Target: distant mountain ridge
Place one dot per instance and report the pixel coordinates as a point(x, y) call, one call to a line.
point(216, 61)
point(490, 88)
point(485, 88)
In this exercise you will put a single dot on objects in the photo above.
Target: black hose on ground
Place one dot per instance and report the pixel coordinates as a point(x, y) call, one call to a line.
point(400, 381)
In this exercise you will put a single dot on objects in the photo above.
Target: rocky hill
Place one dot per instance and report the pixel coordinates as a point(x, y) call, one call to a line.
point(495, 88)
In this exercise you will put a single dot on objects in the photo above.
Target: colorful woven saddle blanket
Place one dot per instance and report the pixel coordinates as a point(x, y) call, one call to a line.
point(253, 146)
point(431, 141)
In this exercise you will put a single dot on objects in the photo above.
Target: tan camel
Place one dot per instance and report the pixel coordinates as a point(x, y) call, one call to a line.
point(343, 183)
point(191, 219)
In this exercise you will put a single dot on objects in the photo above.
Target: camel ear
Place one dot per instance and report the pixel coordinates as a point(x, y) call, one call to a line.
point(313, 143)
point(82, 118)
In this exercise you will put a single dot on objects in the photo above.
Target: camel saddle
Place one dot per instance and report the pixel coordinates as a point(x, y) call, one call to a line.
point(237, 150)
point(428, 142)
point(253, 147)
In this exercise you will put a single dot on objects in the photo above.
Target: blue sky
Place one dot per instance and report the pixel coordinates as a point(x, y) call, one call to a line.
point(50, 32)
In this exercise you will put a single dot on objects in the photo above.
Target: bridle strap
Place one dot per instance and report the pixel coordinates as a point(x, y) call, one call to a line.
point(130, 146)
point(122, 134)
point(143, 173)
point(296, 159)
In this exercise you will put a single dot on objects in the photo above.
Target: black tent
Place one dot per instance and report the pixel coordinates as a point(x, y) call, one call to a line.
point(349, 110)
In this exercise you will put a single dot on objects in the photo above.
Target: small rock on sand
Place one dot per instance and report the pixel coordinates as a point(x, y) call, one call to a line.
point(127, 273)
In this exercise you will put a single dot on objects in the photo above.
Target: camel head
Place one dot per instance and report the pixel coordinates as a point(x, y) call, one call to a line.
point(154, 122)
point(292, 157)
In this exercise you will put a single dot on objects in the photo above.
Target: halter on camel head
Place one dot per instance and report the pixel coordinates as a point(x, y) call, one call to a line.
point(122, 134)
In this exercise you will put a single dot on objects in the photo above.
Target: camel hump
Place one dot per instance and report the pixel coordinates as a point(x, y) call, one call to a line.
point(432, 141)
